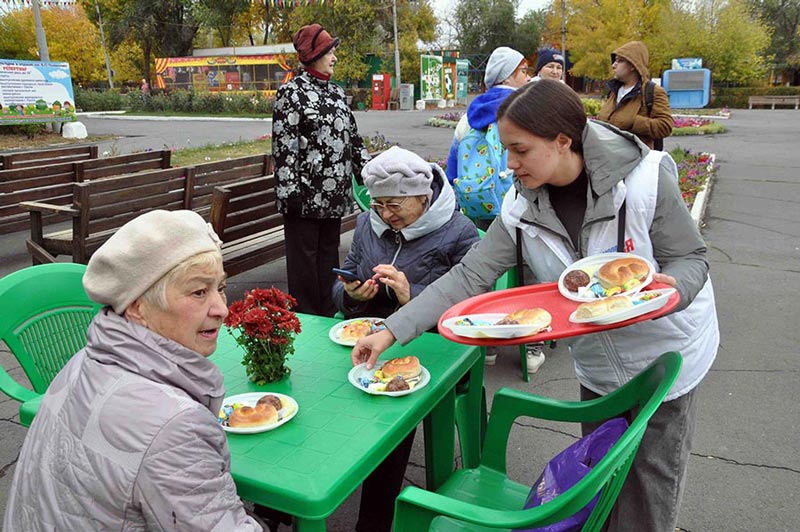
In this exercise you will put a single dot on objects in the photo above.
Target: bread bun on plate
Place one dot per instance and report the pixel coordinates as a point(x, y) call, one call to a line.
point(528, 316)
point(248, 416)
point(407, 367)
point(621, 272)
point(601, 307)
point(355, 330)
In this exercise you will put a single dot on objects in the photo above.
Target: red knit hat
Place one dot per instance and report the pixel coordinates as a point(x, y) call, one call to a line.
point(312, 42)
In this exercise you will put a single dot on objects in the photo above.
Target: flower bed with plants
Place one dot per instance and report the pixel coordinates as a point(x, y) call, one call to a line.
point(694, 172)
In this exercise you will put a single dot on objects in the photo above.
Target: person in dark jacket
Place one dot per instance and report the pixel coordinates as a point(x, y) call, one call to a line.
point(317, 148)
point(413, 235)
point(625, 106)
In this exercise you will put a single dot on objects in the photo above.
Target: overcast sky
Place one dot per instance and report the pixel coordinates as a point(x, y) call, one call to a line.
point(442, 6)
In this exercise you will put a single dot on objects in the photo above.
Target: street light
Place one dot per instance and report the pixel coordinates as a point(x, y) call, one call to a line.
point(396, 44)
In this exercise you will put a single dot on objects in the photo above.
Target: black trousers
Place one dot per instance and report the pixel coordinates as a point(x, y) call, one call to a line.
point(312, 251)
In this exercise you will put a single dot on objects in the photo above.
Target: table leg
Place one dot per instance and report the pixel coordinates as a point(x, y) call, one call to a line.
point(439, 428)
point(301, 524)
point(471, 417)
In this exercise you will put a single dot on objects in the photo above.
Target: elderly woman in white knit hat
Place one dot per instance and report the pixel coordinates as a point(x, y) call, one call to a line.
point(413, 235)
point(127, 435)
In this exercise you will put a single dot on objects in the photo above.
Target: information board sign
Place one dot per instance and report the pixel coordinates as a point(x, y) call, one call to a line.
point(430, 74)
point(35, 92)
point(462, 78)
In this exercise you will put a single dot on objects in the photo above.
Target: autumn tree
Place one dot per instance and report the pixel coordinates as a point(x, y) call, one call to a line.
point(70, 37)
point(782, 18)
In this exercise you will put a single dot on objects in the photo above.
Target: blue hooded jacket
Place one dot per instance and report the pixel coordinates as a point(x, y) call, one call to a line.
point(480, 113)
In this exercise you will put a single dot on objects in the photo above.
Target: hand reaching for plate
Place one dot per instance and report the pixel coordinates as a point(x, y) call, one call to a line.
point(369, 348)
point(394, 279)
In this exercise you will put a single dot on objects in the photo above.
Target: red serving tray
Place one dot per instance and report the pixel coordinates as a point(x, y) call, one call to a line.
point(544, 296)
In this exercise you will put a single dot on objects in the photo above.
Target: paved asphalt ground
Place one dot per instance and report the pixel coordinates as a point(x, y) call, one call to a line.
point(744, 472)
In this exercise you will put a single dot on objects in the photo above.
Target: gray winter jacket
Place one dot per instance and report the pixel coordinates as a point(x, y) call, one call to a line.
point(127, 439)
point(423, 251)
point(675, 244)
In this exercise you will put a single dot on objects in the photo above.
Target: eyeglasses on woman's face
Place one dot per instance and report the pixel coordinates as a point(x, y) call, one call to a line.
point(393, 206)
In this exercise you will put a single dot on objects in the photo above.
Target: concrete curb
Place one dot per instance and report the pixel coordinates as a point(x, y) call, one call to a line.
point(701, 200)
point(120, 115)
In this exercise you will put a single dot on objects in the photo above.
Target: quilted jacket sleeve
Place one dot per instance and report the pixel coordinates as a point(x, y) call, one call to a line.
point(184, 482)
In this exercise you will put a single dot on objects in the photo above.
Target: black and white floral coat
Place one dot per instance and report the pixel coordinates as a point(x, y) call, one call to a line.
point(317, 148)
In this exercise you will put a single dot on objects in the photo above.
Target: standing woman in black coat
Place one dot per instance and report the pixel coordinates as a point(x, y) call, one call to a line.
point(317, 149)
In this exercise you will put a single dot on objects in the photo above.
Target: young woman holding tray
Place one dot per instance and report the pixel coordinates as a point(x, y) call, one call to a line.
point(577, 183)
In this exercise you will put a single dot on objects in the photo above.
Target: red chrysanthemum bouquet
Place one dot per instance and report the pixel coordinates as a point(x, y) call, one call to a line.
point(266, 327)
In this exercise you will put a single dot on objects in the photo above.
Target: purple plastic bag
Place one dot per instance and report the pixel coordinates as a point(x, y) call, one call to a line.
point(568, 467)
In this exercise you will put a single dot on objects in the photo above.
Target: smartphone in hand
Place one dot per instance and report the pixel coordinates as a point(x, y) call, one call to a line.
point(346, 275)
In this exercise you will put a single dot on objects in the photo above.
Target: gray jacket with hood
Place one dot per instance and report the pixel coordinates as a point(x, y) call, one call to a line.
point(127, 439)
point(610, 155)
point(424, 250)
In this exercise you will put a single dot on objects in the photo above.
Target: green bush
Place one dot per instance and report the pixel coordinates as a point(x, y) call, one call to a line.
point(181, 100)
point(591, 106)
point(29, 130)
point(736, 97)
point(91, 100)
point(208, 102)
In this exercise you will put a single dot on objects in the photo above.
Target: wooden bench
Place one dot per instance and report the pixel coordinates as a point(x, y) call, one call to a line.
point(24, 159)
point(99, 207)
point(772, 101)
point(245, 216)
point(52, 183)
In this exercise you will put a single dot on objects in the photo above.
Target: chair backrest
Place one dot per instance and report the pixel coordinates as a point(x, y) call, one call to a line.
point(361, 195)
point(645, 392)
point(45, 316)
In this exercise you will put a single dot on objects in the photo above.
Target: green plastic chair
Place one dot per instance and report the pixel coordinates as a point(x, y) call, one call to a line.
point(361, 195)
point(485, 499)
point(45, 316)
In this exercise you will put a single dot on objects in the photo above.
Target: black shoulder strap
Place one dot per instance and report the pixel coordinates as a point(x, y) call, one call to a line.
point(520, 269)
point(649, 89)
point(621, 228)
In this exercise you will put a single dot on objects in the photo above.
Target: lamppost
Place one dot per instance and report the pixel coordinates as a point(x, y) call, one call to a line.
point(396, 44)
point(105, 50)
point(41, 39)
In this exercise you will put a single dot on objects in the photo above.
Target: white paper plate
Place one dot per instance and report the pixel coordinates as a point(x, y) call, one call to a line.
point(336, 331)
point(488, 331)
point(361, 371)
point(286, 413)
point(590, 265)
point(637, 310)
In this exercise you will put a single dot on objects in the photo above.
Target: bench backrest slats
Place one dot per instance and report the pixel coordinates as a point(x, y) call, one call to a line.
point(45, 157)
point(123, 164)
point(65, 170)
point(207, 176)
point(18, 185)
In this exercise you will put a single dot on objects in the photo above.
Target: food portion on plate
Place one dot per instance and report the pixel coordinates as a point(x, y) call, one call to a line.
point(619, 308)
point(359, 328)
point(396, 375)
point(605, 275)
point(522, 322)
point(267, 410)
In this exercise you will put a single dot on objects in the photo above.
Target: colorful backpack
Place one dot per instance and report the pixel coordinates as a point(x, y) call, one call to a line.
point(482, 175)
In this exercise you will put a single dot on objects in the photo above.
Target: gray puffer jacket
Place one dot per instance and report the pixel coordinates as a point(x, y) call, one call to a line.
point(423, 251)
point(127, 439)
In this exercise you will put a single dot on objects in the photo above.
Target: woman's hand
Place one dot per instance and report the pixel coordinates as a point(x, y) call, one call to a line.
point(394, 279)
point(664, 278)
point(368, 349)
point(360, 291)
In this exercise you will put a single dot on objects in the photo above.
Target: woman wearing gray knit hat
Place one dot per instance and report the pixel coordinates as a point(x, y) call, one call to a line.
point(412, 235)
point(136, 409)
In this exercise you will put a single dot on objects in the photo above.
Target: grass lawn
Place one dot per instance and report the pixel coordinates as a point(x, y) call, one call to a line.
point(708, 129)
point(46, 139)
point(218, 152)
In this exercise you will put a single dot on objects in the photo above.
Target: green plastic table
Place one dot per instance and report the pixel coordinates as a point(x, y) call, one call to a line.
point(310, 465)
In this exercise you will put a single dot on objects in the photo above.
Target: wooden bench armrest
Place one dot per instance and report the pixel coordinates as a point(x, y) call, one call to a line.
point(48, 208)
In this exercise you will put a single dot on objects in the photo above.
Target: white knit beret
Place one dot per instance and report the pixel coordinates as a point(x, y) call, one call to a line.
point(142, 251)
point(502, 63)
point(398, 172)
